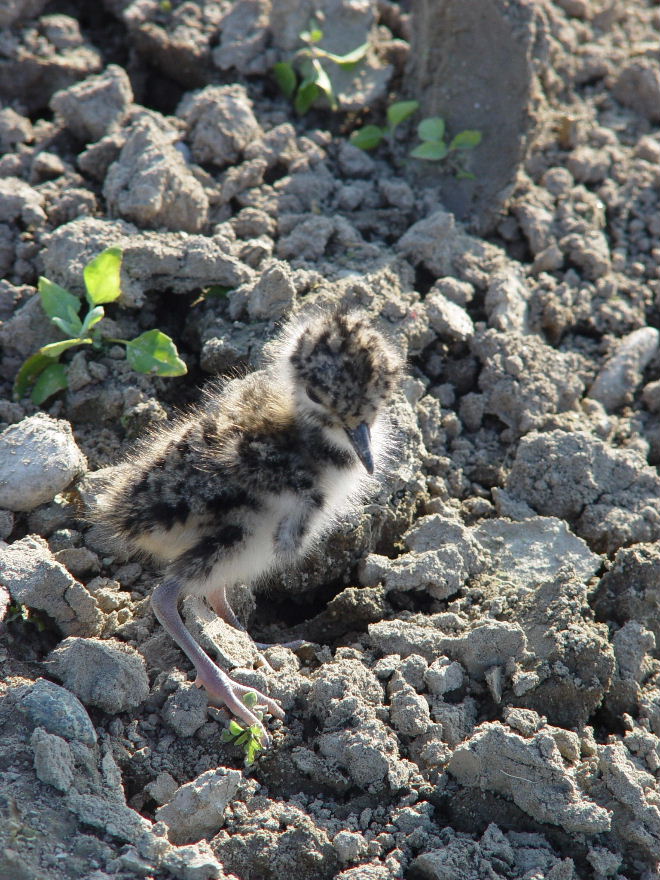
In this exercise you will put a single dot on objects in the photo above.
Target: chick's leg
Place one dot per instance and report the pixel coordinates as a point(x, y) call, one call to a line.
point(220, 604)
point(219, 686)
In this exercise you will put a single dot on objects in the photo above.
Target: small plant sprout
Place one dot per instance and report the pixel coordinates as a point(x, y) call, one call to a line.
point(150, 352)
point(249, 738)
point(304, 79)
point(369, 136)
point(434, 147)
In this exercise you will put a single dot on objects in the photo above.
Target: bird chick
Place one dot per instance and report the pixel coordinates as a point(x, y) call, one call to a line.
point(248, 482)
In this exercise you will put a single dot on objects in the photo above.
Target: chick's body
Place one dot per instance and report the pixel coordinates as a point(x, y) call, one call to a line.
point(248, 482)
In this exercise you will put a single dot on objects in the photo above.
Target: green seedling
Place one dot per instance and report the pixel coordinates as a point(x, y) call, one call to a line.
point(248, 738)
point(369, 136)
point(18, 612)
point(150, 352)
point(304, 79)
point(434, 146)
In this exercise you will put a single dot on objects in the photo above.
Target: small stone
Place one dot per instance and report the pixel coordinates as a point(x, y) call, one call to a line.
point(108, 674)
point(38, 459)
point(618, 379)
point(448, 319)
point(55, 709)
point(197, 808)
point(638, 87)
point(53, 759)
point(162, 788)
point(349, 846)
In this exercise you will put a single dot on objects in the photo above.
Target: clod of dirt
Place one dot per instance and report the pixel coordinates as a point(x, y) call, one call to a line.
point(529, 771)
point(104, 673)
point(36, 579)
point(53, 759)
point(151, 185)
point(38, 459)
point(91, 108)
point(197, 808)
point(220, 123)
point(610, 495)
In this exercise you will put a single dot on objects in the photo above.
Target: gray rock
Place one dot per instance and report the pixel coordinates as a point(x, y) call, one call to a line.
point(95, 105)
point(109, 816)
point(368, 753)
point(38, 459)
point(53, 759)
point(308, 240)
point(530, 772)
point(448, 319)
point(220, 122)
point(36, 579)
point(194, 862)
point(620, 376)
point(151, 185)
point(55, 709)
point(197, 808)
point(611, 495)
point(14, 129)
point(589, 251)
point(108, 674)
point(185, 710)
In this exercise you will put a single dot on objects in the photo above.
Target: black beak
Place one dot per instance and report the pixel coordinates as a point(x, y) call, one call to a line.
point(361, 442)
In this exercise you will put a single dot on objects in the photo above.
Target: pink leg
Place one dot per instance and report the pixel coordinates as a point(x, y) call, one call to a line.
point(219, 686)
point(219, 603)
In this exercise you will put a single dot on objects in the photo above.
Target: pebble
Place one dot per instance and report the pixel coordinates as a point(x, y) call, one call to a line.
point(197, 808)
point(621, 374)
point(53, 759)
point(55, 709)
point(38, 459)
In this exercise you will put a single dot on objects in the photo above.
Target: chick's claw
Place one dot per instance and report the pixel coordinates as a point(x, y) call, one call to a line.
point(222, 691)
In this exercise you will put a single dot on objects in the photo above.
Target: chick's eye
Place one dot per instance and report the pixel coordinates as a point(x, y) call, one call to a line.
point(313, 396)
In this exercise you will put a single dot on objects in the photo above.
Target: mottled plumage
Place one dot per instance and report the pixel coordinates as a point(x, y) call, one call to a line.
point(247, 483)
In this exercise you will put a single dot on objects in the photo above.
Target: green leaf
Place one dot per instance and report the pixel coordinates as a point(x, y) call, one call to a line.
point(61, 306)
point(431, 129)
point(285, 77)
point(462, 174)
point(154, 352)
point(250, 699)
point(235, 728)
point(103, 276)
point(323, 83)
point(350, 59)
point(307, 93)
point(431, 151)
point(368, 137)
point(399, 111)
point(51, 380)
point(92, 318)
point(466, 140)
point(54, 349)
point(226, 736)
point(28, 373)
